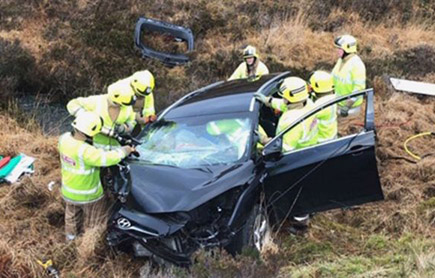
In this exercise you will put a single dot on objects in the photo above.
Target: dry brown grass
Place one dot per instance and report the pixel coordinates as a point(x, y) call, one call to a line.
point(80, 49)
point(399, 116)
point(30, 34)
point(81, 46)
point(32, 216)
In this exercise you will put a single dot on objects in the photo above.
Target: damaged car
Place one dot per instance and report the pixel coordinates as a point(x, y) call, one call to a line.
point(203, 181)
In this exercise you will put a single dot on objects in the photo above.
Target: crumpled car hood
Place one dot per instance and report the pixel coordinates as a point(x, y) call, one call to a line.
point(163, 189)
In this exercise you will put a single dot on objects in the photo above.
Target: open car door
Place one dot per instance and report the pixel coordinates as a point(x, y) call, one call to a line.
point(335, 174)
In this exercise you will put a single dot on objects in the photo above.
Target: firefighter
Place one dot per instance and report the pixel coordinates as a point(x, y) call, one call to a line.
point(116, 110)
point(142, 84)
point(322, 85)
point(251, 67)
point(295, 98)
point(81, 162)
point(294, 92)
point(349, 75)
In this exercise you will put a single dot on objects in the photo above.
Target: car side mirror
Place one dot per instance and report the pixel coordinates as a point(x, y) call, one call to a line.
point(273, 151)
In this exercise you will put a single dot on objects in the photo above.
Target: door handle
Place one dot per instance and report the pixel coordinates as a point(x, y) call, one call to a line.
point(356, 147)
point(356, 150)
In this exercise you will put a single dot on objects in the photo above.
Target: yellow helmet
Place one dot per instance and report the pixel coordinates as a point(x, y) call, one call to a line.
point(322, 82)
point(122, 96)
point(346, 42)
point(142, 82)
point(88, 122)
point(294, 89)
point(249, 52)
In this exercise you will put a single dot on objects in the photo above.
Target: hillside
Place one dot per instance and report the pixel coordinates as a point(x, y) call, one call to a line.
point(58, 51)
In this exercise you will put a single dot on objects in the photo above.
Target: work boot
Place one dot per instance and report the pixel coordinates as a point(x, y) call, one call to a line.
point(299, 224)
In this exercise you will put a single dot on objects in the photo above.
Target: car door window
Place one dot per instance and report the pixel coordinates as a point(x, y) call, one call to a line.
point(352, 124)
point(269, 117)
point(326, 124)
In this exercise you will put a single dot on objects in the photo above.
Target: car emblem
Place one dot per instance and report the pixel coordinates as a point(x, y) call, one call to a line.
point(123, 223)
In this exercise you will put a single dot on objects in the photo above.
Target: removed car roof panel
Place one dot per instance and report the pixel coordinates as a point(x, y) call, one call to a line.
point(179, 33)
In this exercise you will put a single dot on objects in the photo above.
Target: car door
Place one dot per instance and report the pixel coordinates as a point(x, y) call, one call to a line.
point(335, 174)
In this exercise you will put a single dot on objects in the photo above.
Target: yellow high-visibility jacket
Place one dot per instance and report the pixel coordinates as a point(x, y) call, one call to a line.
point(81, 164)
point(99, 105)
point(278, 104)
point(327, 119)
point(349, 76)
point(242, 71)
point(303, 134)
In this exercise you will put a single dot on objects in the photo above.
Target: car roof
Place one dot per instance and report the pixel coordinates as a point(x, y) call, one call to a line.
point(224, 97)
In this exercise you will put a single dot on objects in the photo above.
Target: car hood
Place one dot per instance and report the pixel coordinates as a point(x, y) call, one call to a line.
point(163, 189)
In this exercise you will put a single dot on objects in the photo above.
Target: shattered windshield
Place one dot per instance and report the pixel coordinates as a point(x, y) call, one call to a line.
point(196, 141)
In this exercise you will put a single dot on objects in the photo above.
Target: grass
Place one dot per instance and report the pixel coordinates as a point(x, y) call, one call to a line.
point(80, 47)
point(409, 256)
point(62, 50)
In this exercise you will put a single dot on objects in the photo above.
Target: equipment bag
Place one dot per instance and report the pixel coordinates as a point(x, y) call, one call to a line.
point(7, 169)
point(4, 161)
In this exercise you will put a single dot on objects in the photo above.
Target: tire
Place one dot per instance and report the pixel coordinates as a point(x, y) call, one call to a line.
point(253, 235)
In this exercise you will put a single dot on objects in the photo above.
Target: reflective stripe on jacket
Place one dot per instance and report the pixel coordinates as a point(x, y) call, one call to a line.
point(349, 76)
point(242, 71)
point(301, 135)
point(99, 105)
point(80, 168)
point(326, 119)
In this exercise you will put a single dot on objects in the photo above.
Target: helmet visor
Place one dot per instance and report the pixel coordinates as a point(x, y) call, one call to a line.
point(337, 42)
point(250, 52)
point(145, 92)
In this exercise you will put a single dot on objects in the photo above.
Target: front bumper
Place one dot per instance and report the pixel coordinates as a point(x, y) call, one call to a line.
point(127, 224)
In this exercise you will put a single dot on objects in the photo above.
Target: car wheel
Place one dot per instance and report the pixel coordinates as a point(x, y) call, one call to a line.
point(254, 234)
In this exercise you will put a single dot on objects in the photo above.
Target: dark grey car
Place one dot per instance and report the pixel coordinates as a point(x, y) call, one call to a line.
point(191, 188)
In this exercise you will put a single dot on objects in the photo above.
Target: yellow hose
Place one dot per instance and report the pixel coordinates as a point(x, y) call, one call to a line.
point(412, 138)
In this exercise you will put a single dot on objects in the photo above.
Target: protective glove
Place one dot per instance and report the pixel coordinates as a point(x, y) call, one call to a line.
point(120, 129)
point(349, 103)
point(261, 98)
point(150, 119)
point(128, 150)
point(262, 138)
point(276, 112)
point(344, 111)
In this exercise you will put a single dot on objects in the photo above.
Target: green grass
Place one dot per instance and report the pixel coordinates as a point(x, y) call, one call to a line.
point(410, 256)
point(86, 49)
